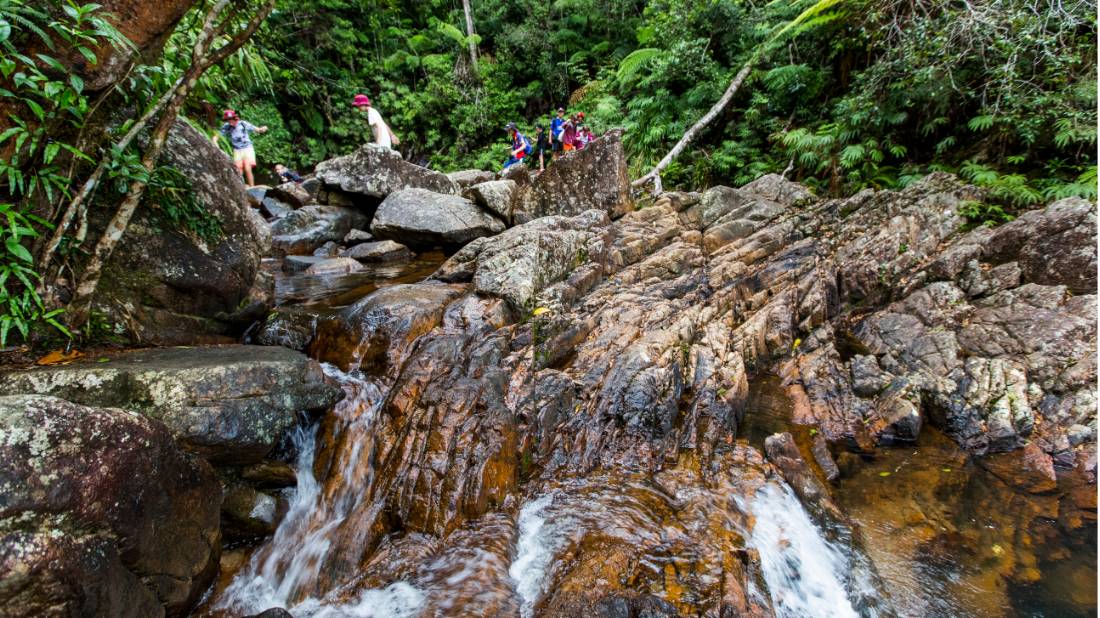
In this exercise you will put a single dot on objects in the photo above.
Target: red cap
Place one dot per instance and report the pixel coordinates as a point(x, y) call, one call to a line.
point(360, 100)
point(580, 114)
point(229, 114)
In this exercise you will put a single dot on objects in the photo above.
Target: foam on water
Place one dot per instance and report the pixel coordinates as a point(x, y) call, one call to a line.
point(805, 574)
point(535, 549)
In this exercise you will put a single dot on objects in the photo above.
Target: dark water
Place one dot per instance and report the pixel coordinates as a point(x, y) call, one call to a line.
point(948, 538)
point(341, 290)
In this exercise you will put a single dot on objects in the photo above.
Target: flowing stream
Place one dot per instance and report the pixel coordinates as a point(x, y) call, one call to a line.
point(335, 553)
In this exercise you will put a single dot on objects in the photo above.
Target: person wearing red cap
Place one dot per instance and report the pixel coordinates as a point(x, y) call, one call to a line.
point(382, 134)
point(237, 132)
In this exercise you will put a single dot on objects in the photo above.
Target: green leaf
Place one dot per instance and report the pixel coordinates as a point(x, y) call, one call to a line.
point(77, 83)
point(18, 251)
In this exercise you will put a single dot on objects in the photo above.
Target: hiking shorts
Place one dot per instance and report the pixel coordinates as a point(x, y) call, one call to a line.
point(555, 145)
point(243, 157)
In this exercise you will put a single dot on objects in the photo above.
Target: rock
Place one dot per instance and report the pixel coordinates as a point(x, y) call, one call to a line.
point(273, 209)
point(519, 174)
point(247, 513)
point(328, 250)
point(256, 194)
point(102, 513)
point(290, 193)
point(495, 196)
point(312, 186)
point(292, 330)
point(1028, 469)
point(727, 215)
point(275, 612)
point(377, 172)
point(307, 228)
point(229, 404)
point(298, 264)
point(270, 474)
point(356, 237)
point(783, 453)
point(163, 285)
point(593, 178)
point(522, 262)
point(422, 218)
point(777, 189)
point(334, 266)
point(381, 251)
point(469, 178)
point(377, 330)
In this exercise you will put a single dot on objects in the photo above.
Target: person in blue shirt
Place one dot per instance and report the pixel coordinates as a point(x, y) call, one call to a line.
point(520, 145)
point(556, 127)
point(238, 132)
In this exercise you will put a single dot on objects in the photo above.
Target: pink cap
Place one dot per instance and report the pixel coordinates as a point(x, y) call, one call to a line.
point(229, 114)
point(360, 100)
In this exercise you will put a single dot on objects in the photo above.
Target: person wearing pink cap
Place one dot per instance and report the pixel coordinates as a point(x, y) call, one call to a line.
point(237, 132)
point(382, 134)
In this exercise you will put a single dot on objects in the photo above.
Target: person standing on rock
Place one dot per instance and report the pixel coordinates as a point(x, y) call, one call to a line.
point(569, 134)
point(381, 133)
point(556, 126)
point(520, 145)
point(542, 147)
point(238, 133)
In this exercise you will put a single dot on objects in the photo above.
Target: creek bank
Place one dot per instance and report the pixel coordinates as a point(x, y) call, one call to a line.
point(593, 351)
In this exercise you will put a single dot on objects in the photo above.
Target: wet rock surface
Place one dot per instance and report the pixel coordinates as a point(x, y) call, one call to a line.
point(578, 385)
point(165, 286)
point(230, 404)
point(101, 513)
point(380, 251)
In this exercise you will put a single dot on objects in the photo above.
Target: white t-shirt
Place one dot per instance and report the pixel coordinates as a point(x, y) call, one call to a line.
point(374, 119)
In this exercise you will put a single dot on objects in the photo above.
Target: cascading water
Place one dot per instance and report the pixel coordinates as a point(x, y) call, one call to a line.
point(805, 573)
point(284, 572)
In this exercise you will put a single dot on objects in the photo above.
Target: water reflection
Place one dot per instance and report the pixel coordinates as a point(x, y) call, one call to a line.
point(344, 289)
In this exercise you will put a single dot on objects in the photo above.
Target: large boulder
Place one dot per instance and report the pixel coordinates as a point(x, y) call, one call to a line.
point(593, 178)
point(518, 264)
point(229, 404)
point(306, 229)
point(376, 172)
point(101, 513)
point(165, 285)
point(496, 196)
point(422, 218)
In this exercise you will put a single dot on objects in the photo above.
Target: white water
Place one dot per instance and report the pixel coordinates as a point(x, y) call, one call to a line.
point(805, 573)
point(535, 550)
point(290, 562)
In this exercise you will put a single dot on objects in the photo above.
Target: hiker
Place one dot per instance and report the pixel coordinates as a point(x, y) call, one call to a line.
point(382, 135)
point(556, 126)
point(542, 147)
point(589, 136)
point(569, 134)
point(520, 145)
point(237, 131)
point(287, 175)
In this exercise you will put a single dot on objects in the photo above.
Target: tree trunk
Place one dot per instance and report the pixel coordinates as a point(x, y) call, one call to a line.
point(470, 34)
point(655, 174)
point(201, 60)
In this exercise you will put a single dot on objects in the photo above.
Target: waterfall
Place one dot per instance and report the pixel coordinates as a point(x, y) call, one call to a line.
point(282, 572)
point(805, 573)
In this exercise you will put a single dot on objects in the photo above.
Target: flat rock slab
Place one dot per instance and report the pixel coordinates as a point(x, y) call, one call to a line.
point(380, 251)
point(229, 404)
point(307, 228)
point(423, 218)
point(377, 172)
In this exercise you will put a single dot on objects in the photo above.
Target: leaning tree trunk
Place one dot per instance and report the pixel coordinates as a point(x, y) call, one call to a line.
point(470, 34)
point(655, 174)
point(201, 60)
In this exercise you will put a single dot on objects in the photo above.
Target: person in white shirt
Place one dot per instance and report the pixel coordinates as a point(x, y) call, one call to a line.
point(382, 135)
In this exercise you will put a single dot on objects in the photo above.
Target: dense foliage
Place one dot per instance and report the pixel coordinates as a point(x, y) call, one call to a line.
point(870, 93)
